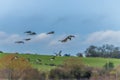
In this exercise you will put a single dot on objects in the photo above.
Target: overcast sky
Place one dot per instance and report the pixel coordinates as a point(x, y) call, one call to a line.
point(93, 22)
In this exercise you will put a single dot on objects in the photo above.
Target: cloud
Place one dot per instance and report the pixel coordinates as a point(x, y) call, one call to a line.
point(2, 35)
point(40, 37)
point(55, 42)
point(8, 38)
point(12, 38)
point(108, 36)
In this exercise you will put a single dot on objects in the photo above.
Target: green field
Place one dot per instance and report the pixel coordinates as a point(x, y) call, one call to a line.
point(44, 66)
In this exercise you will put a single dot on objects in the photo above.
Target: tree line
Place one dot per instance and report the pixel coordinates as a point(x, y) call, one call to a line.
point(106, 51)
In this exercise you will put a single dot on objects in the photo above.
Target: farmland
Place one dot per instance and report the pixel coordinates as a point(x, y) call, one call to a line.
point(47, 64)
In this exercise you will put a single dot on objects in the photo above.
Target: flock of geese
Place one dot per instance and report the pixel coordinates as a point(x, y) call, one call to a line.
point(69, 37)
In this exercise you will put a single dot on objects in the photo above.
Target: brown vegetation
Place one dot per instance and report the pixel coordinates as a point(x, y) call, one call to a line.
point(13, 67)
point(71, 69)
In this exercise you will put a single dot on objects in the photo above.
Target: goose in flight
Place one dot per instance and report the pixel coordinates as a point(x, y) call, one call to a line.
point(20, 42)
point(27, 39)
point(52, 32)
point(64, 40)
point(28, 32)
point(71, 36)
point(32, 33)
point(67, 38)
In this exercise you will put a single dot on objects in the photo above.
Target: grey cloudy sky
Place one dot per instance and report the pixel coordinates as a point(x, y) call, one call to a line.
point(92, 21)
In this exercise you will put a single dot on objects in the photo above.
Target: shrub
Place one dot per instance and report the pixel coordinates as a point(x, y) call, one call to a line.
point(108, 66)
point(59, 74)
point(13, 67)
point(81, 73)
point(68, 55)
point(32, 74)
point(79, 54)
point(71, 69)
point(52, 64)
point(1, 52)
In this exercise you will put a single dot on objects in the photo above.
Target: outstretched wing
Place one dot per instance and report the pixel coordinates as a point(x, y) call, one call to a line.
point(52, 32)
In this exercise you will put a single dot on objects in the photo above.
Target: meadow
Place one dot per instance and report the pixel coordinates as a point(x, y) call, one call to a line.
point(47, 64)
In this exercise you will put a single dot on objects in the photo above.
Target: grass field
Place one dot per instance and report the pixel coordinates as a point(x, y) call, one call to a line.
point(94, 62)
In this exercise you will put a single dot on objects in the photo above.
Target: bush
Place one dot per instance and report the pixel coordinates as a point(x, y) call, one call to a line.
point(59, 74)
point(32, 74)
point(52, 64)
point(13, 67)
point(108, 66)
point(1, 52)
point(79, 54)
point(71, 69)
point(79, 73)
point(68, 55)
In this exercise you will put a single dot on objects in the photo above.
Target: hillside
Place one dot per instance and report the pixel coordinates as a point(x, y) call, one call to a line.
point(46, 63)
